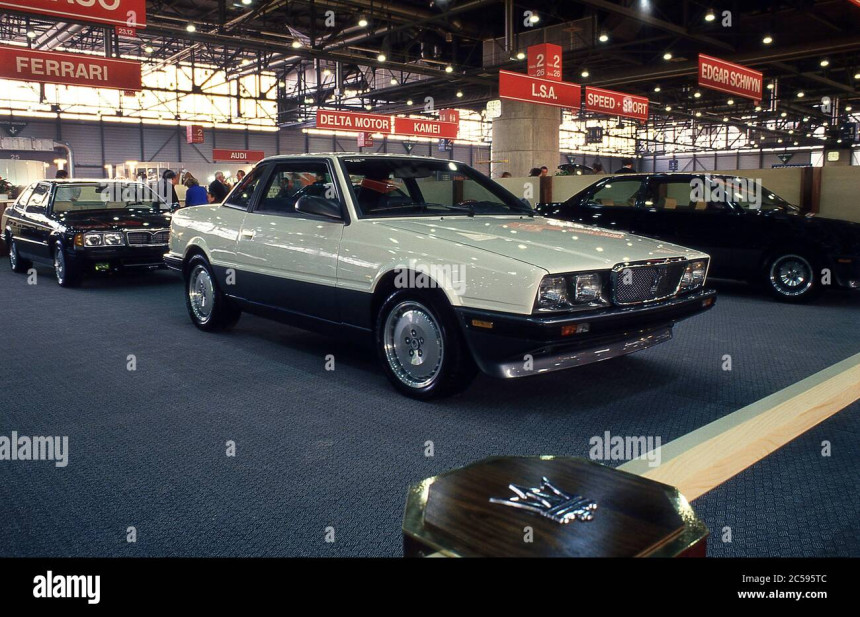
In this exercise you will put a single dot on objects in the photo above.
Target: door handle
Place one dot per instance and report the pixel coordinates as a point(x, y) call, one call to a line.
point(247, 234)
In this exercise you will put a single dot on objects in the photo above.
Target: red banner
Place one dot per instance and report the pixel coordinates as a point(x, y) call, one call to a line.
point(351, 121)
point(53, 67)
point(519, 87)
point(365, 140)
point(449, 115)
point(731, 78)
point(237, 156)
point(616, 103)
point(419, 127)
point(194, 134)
point(113, 12)
point(126, 31)
point(545, 61)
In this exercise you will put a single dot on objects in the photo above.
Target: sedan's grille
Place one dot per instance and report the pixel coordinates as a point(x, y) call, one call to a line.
point(637, 283)
point(137, 238)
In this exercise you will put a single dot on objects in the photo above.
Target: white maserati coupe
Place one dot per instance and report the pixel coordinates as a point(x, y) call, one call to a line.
point(444, 271)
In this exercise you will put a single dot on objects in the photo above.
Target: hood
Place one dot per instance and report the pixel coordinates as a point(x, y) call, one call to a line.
point(114, 220)
point(555, 246)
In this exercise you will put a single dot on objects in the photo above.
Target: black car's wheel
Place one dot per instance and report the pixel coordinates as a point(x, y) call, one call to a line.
point(792, 277)
point(421, 348)
point(16, 262)
point(68, 272)
point(208, 307)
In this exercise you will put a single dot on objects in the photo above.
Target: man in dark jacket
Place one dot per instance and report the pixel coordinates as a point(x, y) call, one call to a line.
point(626, 167)
point(218, 190)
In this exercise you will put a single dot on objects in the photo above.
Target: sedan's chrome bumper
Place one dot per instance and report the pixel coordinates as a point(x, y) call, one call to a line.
point(565, 360)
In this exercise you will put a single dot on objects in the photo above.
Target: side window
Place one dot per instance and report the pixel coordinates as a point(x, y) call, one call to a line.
point(242, 195)
point(290, 182)
point(39, 199)
point(617, 192)
point(679, 195)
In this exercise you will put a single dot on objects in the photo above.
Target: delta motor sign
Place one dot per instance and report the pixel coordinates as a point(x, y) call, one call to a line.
point(112, 12)
point(53, 67)
point(731, 78)
point(616, 103)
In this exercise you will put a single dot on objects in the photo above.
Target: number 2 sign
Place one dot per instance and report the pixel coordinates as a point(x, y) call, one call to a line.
point(545, 61)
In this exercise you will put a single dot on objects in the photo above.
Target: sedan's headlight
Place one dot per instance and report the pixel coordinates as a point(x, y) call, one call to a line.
point(93, 240)
point(112, 239)
point(694, 275)
point(571, 292)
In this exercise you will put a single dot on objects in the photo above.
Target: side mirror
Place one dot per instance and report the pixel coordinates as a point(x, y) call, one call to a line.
point(318, 206)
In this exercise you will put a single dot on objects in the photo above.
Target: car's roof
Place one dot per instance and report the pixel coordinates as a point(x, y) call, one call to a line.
point(351, 155)
point(79, 180)
point(646, 174)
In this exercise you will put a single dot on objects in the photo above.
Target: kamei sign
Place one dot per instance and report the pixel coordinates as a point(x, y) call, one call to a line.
point(53, 67)
point(731, 78)
point(130, 13)
point(616, 103)
point(418, 127)
point(519, 87)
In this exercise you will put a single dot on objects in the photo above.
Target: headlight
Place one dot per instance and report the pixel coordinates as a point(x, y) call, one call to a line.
point(92, 240)
point(113, 239)
point(694, 275)
point(571, 292)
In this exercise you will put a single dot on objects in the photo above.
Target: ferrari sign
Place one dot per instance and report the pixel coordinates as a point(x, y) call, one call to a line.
point(130, 13)
point(52, 67)
point(731, 78)
point(616, 103)
point(519, 87)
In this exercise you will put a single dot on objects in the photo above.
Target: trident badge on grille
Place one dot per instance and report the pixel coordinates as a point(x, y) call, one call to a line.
point(551, 502)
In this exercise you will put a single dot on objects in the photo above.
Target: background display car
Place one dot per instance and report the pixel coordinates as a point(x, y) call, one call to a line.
point(83, 226)
point(443, 270)
point(750, 232)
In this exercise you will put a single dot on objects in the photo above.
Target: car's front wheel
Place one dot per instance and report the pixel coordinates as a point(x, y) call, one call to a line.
point(791, 277)
point(208, 307)
point(16, 262)
point(68, 272)
point(421, 349)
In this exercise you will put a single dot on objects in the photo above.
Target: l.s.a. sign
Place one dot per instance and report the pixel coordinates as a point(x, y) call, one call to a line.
point(131, 13)
point(53, 67)
point(731, 78)
point(519, 87)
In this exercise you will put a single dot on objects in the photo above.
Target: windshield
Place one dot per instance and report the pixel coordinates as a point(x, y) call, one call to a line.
point(751, 195)
point(392, 187)
point(87, 196)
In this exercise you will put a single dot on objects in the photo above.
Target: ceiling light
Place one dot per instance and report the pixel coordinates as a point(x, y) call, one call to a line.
point(31, 34)
point(296, 44)
point(668, 108)
point(791, 132)
point(368, 107)
point(362, 22)
point(809, 134)
point(770, 86)
point(726, 119)
point(247, 2)
point(393, 81)
point(824, 62)
point(796, 143)
point(697, 94)
point(710, 15)
point(409, 102)
point(667, 55)
point(806, 118)
point(758, 107)
point(326, 72)
point(603, 37)
point(783, 115)
point(191, 28)
point(656, 88)
point(848, 108)
point(381, 57)
point(149, 49)
point(801, 94)
point(534, 18)
point(698, 114)
point(459, 94)
point(585, 73)
point(767, 40)
point(521, 55)
point(731, 101)
point(449, 69)
point(780, 140)
point(856, 75)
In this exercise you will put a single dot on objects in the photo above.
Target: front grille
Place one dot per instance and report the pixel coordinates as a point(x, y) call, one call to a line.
point(646, 282)
point(138, 238)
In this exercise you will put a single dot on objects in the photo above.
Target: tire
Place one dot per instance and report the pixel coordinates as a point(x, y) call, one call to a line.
point(792, 277)
point(421, 348)
point(208, 307)
point(18, 264)
point(68, 272)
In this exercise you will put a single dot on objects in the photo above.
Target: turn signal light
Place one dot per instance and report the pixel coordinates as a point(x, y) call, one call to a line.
point(575, 329)
point(79, 240)
point(477, 323)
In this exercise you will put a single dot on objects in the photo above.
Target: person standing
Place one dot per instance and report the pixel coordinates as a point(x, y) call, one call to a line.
point(240, 175)
point(196, 194)
point(166, 187)
point(218, 189)
point(626, 167)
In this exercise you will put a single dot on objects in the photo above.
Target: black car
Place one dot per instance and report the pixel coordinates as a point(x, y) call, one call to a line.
point(750, 233)
point(84, 226)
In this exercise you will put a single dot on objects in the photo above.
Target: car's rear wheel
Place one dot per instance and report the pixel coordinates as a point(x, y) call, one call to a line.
point(208, 307)
point(421, 348)
point(68, 272)
point(16, 262)
point(791, 277)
